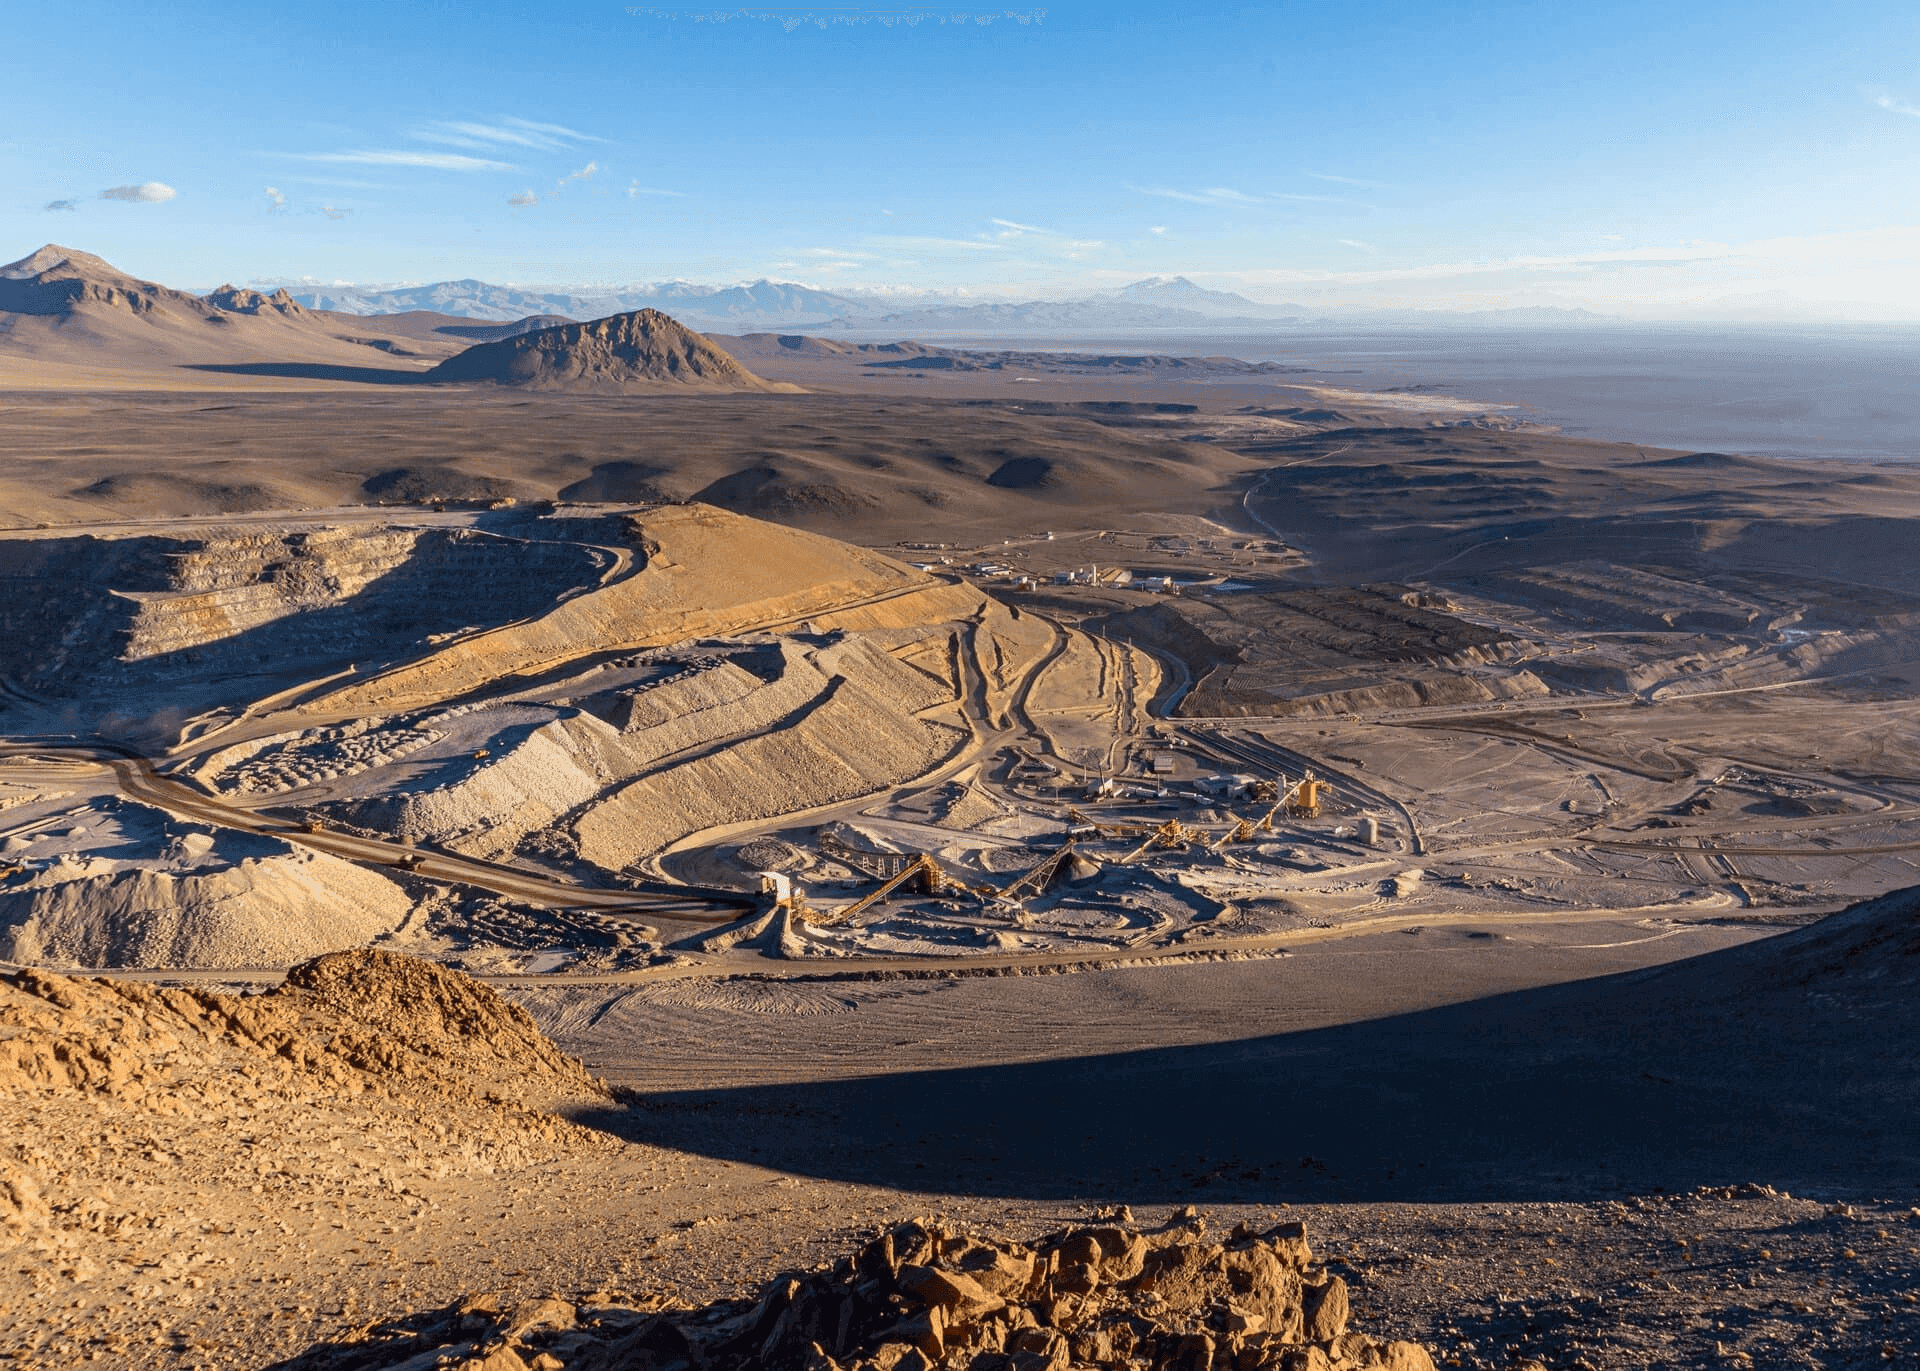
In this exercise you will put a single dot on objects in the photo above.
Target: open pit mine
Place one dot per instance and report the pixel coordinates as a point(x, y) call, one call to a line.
point(507, 846)
point(603, 738)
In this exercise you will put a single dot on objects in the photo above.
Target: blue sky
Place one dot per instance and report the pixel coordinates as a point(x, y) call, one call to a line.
point(1646, 158)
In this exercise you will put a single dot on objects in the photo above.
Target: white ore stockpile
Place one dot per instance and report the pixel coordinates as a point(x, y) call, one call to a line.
point(150, 891)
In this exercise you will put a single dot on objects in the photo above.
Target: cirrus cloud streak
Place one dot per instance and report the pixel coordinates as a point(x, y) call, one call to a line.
point(146, 193)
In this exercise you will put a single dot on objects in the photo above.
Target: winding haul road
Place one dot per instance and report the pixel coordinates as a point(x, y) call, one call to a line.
point(138, 780)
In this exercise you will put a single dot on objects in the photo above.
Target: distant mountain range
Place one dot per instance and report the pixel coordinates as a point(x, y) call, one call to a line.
point(1158, 302)
point(763, 302)
point(62, 309)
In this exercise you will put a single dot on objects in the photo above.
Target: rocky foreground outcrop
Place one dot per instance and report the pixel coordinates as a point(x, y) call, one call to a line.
point(920, 1297)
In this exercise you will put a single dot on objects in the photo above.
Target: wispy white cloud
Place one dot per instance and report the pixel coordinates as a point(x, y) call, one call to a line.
point(1073, 248)
point(63, 205)
point(836, 252)
point(1613, 237)
point(1158, 230)
point(1887, 102)
point(333, 213)
point(437, 161)
point(519, 133)
point(1218, 196)
point(1356, 243)
point(337, 182)
point(1225, 197)
point(461, 135)
point(146, 193)
point(636, 189)
point(523, 199)
point(276, 202)
point(557, 130)
point(1014, 230)
point(967, 244)
point(1346, 180)
point(586, 173)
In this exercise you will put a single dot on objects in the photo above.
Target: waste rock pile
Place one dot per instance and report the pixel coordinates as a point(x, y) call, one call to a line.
point(920, 1297)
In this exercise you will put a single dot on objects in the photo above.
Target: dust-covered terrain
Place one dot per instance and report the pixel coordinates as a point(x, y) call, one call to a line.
point(1055, 784)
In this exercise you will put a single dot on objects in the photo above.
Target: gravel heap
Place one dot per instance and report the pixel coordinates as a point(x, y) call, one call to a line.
point(920, 1297)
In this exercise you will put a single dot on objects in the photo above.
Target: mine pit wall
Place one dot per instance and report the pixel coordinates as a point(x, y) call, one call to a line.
point(709, 574)
point(484, 814)
point(565, 765)
point(688, 693)
point(1628, 596)
point(228, 586)
point(60, 610)
point(81, 612)
point(835, 723)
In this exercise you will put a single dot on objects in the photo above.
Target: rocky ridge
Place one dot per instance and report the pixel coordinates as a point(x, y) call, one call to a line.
point(56, 280)
point(345, 1023)
point(241, 300)
point(919, 1297)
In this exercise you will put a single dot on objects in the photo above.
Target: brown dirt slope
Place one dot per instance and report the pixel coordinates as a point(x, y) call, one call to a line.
point(347, 1022)
point(142, 1126)
point(853, 467)
point(623, 353)
point(708, 573)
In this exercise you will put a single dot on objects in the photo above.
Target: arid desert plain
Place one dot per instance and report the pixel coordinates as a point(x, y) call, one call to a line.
point(1038, 825)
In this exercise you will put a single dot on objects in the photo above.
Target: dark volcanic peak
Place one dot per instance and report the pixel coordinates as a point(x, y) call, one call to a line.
point(644, 350)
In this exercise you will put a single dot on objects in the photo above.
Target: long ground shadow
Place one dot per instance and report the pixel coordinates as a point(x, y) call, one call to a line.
point(1788, 1061)
point(315, 371)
